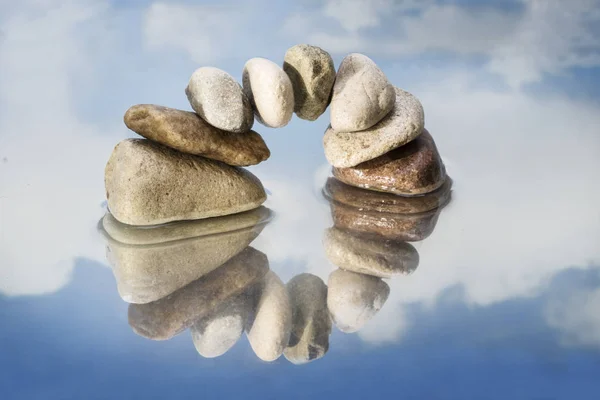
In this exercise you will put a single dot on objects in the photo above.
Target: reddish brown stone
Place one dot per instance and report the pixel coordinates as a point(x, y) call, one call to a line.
point(413, 169)
point(404, 227)
point(369, 200)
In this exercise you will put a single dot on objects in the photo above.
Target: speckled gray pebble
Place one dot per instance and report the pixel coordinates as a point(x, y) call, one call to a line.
point(219, 100)
point(402, 125)
point(362, 95)
point(312, 73)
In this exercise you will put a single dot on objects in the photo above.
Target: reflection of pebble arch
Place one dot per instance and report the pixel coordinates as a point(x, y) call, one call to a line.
point(372, 123)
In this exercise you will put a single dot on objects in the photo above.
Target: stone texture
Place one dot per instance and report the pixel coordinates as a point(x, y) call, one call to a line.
point(187, 132)
point(312, 73)
point(146, 273)
point(148, 235)
point(270, 92)
point(269, 332)
point(149, 184)
point(219, 331)
point(370, 256)
point(403, 227)
point(362, 95)
point(219, 100)
point(413, 169)
point(311, 325)
point(353, 299)
point(368, 200)
point(404, 123)
point(165, 318)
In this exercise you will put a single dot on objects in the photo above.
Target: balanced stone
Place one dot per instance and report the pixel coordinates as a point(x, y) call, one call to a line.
point(403, 124)
point(269, 332)
point(311, 325)
point(148, 272)
point(187, 132)
point(270, 92)
point(312, 74)
point(368, 200)
point(362, 95)
point(149, 184)
point(353, 299)
point(219, 331)
point(403, 227)
point(366, 255)
point(220, 100)
point(413, 169)
point(165, 318)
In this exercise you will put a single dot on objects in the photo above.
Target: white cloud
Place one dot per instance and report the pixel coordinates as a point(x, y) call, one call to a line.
point(52, 174)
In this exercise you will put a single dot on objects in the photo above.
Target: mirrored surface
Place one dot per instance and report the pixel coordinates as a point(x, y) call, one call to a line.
point(488, 287)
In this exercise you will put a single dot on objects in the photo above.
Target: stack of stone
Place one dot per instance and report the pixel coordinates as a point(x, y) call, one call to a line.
point(189, 165)
point(377, 140)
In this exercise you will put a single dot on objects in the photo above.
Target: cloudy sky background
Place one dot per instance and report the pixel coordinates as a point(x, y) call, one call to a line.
point(510, 91)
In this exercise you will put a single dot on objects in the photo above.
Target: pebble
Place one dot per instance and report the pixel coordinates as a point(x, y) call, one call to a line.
point(370, 256)
point(150, 270)
point(353, 299)
point(362, 95)
point(219, 331)
point(312, 73)
point(311, 325)
point(220, 100)
point(369, 200)
point(403, 227)
point(149, 184)
point(410, 170)
point(270, 92)
point(188, 133)
point(269, 332)
point(169, 316)
point(402, 125)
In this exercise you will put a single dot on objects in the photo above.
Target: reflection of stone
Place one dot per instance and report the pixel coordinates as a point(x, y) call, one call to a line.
point(269, 332)
point(372, 256)
point(148, 272)
point(216, 333)
point(165, 318)
point(403, 227)
point(149, 184)
point(413, 169)
point(386, 202)
point(353, 299)
point(311, 324)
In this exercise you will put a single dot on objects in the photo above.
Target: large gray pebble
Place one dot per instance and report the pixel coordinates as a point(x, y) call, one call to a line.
point(362, 95)
point(270, 92)
point(353, 299)
point(312, 73)
point(402, 125)
point(149, 184)
point(219, 100)
point(269, 332)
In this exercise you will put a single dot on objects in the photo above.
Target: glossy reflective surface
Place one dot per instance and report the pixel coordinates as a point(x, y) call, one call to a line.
point(496, 295)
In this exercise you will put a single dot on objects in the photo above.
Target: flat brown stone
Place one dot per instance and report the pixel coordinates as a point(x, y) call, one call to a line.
point(187, 132)
point(369, 200)
point(413, 169)
point(165, 318)
point(404, 227)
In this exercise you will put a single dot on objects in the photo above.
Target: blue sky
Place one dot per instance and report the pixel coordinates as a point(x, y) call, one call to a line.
point(510, 95)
